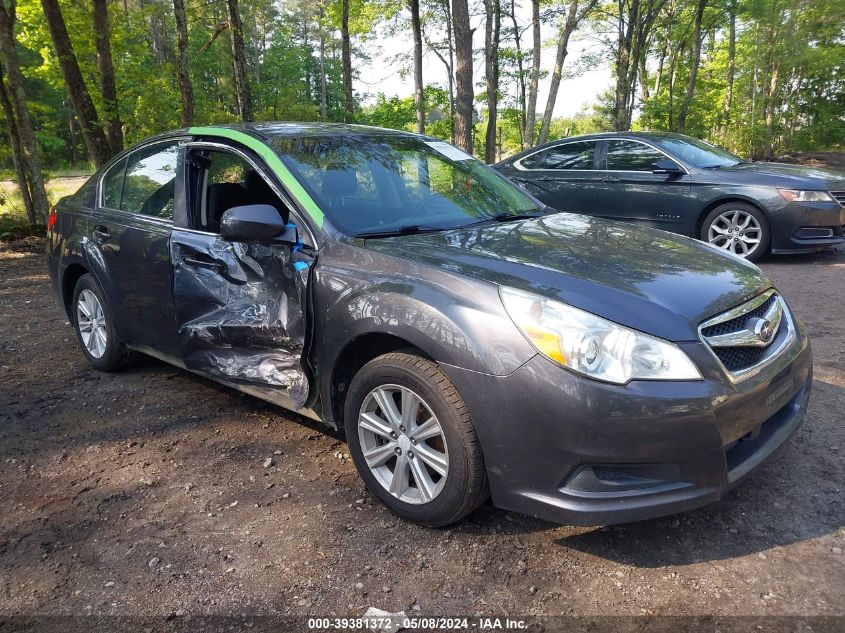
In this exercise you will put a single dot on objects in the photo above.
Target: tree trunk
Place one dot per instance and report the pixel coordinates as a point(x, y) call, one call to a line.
point(625, 35)
point(346, 53)
point(492, 32)
point(451, 67)
point(770, 111)
point(323, 93)
point(644, 79)
point(416, 27)
point(729, 92)
point(17, 97)
point(572, 19)
point(517, 40)
point(694, 63)
point(463, 75)
point(186, 88)
point(99, 148)
point(243, 95)
point(17, 153)
point(534, 79)
point(111, 113)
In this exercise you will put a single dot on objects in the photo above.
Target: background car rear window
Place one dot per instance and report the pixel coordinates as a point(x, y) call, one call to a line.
point(568, 156)
point(150, 179)
point(631, 156)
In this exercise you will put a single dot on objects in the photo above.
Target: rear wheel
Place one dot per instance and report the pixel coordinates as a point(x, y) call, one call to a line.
point(94, 326)
point(412, 440)
point(739, 228)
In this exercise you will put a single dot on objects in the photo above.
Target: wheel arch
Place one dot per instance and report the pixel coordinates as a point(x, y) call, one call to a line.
point(355, 354)
point(70, 277)
point(725, 200)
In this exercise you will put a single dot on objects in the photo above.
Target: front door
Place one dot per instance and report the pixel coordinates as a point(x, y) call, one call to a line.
point(632, 191)
point(240, 308)
point(128, 245)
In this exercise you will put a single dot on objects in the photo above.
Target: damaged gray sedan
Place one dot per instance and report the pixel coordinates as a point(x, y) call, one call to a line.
point(469, 341)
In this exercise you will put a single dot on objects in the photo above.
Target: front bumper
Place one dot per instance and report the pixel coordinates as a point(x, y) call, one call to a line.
point(807, 226)
point(571, 450)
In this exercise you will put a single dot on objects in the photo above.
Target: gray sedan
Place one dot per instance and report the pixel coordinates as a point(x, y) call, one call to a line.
point(680, 184)
point(469, 341)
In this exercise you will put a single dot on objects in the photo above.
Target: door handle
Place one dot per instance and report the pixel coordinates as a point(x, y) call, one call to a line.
point(203, 263)
point(610, 179)
point(101, 233)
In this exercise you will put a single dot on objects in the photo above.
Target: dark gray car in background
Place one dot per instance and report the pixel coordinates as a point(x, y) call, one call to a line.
point(680, 184)
point(470, 341)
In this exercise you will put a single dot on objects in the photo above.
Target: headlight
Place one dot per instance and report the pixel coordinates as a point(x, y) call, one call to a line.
point(799, 195)
point(594, 346)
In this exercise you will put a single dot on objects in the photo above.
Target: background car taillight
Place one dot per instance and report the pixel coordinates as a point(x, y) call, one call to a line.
point(52, 218)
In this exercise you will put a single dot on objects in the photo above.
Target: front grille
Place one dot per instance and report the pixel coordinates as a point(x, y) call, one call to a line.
point(839, 196)
point(738, 323)
point(749, 335)
point(738, 358)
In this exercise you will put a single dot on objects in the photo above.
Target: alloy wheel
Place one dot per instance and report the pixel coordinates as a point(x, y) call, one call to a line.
point(91, 321)
point(403, 444)
point(736, 231)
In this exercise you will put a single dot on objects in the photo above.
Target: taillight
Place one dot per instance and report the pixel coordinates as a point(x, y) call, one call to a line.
point(52, 218)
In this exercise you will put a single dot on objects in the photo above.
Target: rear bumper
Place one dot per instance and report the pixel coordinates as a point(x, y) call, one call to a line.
point(574, 451)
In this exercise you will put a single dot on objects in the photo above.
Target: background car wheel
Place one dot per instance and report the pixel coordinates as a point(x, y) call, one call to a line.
point(739, 228)
point(95, 327)
point(412, 440)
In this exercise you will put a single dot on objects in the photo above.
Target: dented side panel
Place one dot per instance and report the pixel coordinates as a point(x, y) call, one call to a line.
point(240, 311)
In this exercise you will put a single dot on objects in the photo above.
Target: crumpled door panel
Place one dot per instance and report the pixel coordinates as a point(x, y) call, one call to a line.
point(240, 311)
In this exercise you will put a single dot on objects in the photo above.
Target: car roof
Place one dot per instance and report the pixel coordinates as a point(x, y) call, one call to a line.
point(278, 129)
point(644, 135)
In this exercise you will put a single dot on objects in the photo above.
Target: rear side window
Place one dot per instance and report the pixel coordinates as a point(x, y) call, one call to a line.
point(531, 161)
point(150, 179)
point(568, 156)
point(113, 185)
point(631, 156)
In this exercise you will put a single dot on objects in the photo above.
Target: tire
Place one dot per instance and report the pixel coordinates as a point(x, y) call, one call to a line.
point(399, 376)
point(727, 226)
point(104, 352)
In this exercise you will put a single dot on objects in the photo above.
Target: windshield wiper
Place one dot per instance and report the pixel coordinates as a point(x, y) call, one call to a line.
point(410, 229)
point(509, 217)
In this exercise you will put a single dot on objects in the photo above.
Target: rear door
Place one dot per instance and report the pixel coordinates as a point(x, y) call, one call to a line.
point(240, 308)
point(632, 191)
point(128, 243)
point(564, 176)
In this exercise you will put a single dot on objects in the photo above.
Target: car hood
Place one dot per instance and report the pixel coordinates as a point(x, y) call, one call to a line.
point(797, 175)
point(650, 280)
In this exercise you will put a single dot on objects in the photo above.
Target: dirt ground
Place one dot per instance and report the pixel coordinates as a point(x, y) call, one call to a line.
point(146, 493)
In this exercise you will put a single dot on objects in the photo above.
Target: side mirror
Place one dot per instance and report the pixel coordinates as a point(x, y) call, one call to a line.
point(666, 166)
point(251, 223)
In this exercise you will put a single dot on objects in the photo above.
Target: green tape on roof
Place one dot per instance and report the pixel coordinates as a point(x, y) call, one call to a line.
point(273, 162)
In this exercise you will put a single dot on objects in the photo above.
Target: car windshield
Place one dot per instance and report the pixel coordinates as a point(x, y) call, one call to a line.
point(697, 153)
point(380, 184)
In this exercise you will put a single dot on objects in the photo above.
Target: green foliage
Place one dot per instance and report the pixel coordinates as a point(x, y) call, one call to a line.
point(801, 40)
point(789, 78)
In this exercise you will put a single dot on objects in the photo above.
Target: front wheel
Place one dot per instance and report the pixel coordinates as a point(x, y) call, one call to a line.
point(412, 440)
point(739, 228)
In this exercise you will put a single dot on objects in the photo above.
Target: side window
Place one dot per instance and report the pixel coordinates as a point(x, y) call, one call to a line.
point(631, 156)
point(113, 185)
point(225, 180)
point(568, 156)
point(150, 179)
point(531, 161)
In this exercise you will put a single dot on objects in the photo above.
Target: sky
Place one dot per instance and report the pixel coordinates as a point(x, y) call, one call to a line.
point(383, 74)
